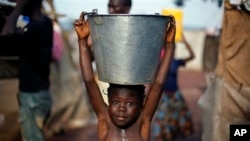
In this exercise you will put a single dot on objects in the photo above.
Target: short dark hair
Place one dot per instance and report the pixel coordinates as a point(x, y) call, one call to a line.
point(128, 3)
point(139, 89)
point(123, 2)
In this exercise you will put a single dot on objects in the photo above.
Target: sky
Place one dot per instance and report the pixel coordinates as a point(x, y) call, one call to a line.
point(197, 14)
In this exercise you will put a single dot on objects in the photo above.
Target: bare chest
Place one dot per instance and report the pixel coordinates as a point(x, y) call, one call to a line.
point(124, 135)
point(133, 133)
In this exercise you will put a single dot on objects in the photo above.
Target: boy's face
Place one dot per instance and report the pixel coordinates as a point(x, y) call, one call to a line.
point(124, 107)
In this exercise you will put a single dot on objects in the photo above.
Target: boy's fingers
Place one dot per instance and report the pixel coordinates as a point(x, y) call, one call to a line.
point(82, 16)
point(76, 23)
point(172, 19)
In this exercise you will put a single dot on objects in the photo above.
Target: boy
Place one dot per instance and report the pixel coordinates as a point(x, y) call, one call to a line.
point(126, 118)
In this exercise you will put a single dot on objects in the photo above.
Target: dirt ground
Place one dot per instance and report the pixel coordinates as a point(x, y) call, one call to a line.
point(192, 84)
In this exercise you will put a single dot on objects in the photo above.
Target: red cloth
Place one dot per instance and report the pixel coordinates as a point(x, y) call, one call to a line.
point(57, 50)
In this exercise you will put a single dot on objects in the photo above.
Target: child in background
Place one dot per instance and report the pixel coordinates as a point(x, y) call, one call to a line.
point(173, 119)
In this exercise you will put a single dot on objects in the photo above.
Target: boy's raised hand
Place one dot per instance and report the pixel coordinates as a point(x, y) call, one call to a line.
point(82, 27)
point(170, 35)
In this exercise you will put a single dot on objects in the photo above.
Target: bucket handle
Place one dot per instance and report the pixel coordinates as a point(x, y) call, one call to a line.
point(97, 20)
point(84, 14)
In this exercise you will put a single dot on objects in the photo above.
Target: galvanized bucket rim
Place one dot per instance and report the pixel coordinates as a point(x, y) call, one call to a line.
point(129, 15)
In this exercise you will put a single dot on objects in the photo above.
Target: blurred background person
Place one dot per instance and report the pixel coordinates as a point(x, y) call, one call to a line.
point(173, 118)
point(119, 6)
point(35, 51)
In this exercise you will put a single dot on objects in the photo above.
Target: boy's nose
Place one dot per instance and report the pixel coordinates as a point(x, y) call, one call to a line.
point(122, 107)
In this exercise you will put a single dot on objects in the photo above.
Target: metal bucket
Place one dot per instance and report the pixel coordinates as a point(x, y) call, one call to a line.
point(127, 47)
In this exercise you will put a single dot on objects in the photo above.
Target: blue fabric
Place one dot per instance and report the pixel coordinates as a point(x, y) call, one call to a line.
point(172, 118)
point(34, 109)
point(171, 83)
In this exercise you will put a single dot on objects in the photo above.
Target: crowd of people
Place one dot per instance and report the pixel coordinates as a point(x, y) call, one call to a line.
point(157, 111)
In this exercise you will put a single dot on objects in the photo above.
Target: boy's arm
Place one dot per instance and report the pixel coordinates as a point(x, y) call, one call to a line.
point(98, 104)
point(155, 91)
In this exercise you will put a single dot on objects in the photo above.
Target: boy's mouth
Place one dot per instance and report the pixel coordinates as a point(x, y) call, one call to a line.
point(121, 117)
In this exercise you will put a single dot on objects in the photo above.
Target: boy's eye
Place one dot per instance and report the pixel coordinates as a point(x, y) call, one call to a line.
point(130, 104)
point(115, 102)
